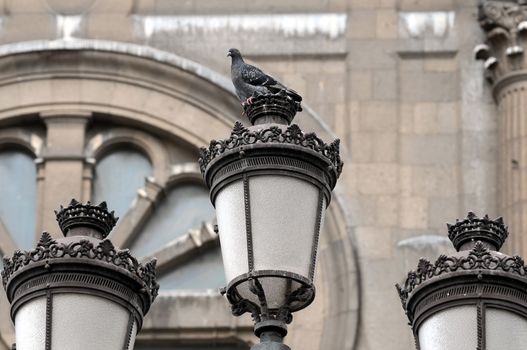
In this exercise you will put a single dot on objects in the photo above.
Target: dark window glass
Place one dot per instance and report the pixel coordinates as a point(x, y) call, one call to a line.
point(185, 207)
point(118, 176)
point(202, 272)
point(18, 196)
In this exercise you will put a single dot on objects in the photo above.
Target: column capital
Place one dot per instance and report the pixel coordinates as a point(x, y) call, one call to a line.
point(505, 25)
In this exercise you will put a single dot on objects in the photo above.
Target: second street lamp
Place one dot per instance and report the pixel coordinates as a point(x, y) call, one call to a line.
point(474, 299)
point(270, 184)
point(78, 292)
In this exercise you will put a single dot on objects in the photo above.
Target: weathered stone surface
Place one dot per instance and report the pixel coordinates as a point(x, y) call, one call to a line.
point(418, 128)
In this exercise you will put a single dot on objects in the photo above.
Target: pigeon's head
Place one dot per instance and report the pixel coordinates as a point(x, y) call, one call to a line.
point(234, 53)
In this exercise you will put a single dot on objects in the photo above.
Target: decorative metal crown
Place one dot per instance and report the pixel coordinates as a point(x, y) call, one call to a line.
point(87, 215)
point(479, 259)
point(279, 105)
point(48, 249)
point(474, 229)
point(293, 135)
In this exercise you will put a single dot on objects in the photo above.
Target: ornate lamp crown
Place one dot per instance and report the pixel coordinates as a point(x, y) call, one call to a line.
point(87, 215)
point(278, 105)
point(474, 229)
point(242, 136)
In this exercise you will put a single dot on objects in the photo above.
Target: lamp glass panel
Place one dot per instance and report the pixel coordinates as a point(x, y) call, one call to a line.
point(283, 214)
point(230, 213)
point(30, 325)
point(501, 322)
point(82, 322)
point(454, 328)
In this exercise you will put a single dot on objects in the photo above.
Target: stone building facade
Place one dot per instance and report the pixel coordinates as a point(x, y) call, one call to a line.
point(110, 99)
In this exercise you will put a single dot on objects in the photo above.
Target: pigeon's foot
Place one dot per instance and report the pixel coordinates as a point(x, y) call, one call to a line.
point(248, 101)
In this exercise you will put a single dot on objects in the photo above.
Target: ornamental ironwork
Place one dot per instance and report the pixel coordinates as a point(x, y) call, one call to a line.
point(473, 228)
point(86, 215)
point(292, 135)
point(48, 249)
point(479, 259)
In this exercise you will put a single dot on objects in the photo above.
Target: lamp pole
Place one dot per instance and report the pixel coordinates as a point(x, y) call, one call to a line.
point(78, 292)
point(270, 184)
point(474, 299)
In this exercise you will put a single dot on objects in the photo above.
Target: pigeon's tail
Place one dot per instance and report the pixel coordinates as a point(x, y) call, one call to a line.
point(277, 87)
point(294, 95)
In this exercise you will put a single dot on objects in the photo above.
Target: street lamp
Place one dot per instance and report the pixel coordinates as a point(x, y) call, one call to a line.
point(270, 184)
point(78, 292)
point(475, 299)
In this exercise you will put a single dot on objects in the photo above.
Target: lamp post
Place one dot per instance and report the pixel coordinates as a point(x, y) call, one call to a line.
point(270, 184)
point(475, 299)
point(78, 292)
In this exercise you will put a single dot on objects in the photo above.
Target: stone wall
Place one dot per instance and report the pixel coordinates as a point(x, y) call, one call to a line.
point(394, 79)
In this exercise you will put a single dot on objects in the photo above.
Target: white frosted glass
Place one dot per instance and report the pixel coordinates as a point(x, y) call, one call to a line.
point(30, 325)
point(230, 212)
point(283, 212)
point(454, 328)
point(86, 322)
point(505, 330)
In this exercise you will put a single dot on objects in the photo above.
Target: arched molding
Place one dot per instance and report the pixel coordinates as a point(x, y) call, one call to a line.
point(104, 142)
point(169, 96)
point(21, 139)
point(148, 199)
point(184, 173)
point(54, 65)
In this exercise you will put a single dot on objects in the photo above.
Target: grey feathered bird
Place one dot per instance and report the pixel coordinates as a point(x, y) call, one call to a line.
point(250, 81)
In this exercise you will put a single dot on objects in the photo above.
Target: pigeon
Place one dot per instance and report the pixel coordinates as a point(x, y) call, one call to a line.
point(249, 82)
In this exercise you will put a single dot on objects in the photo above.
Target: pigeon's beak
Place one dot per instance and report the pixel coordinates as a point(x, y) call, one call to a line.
point(229, 54)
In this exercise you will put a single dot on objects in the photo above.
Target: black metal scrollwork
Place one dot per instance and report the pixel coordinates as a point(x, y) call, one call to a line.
point(242, 136)
point(48, 249)
point(479, 258)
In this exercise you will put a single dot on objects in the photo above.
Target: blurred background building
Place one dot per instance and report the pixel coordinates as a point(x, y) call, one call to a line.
point(110, 100)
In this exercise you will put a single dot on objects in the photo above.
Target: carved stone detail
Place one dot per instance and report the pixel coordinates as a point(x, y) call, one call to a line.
point(48, 249)
point(505, 24)
point(506, 14)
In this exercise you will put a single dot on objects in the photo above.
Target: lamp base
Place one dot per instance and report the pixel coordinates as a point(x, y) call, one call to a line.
point(271, 340)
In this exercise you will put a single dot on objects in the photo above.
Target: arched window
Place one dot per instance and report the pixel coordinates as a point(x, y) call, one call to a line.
point(204, 271)
point(118, 176)
point(18, 196)
point(185, 207)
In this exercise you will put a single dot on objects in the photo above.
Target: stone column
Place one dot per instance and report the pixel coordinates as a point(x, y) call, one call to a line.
point(505, 25)
point(62, 165)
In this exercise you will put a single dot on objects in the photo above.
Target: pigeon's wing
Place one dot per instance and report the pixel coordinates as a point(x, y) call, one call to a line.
point(254, 76)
